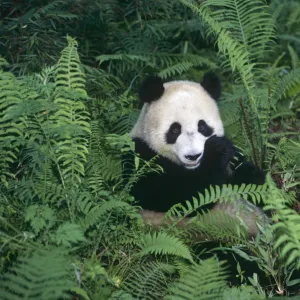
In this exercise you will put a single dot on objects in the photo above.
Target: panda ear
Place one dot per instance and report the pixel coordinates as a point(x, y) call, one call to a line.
point(211, 83)
point(151, 89)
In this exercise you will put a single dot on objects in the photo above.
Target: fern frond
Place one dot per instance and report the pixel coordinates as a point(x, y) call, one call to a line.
point(248, 22)
point(103, 170)
point(226, 194)
point(218, 226)
point(287, 225)
point(93, 210)
point(3, 63)
point(68, 234)
point(232, 220)
point(11, 127)
point(49, 8)
point(167, 64)
point(71, 116)
point(162, 243)
point(285, 85)
point(187, 62)
point(242, 292)
point(206, 280)
point(286, 153)
point(148, 280)
point(125, 123)
point(44, 274)
point(236, 53)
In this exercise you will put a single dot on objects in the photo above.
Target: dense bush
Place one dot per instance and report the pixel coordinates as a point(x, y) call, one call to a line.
point(69, 72)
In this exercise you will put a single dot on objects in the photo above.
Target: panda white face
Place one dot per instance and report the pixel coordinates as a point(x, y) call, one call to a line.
point(178, 124)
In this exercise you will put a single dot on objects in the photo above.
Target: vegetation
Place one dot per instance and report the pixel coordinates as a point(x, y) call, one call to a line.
point(69, 72)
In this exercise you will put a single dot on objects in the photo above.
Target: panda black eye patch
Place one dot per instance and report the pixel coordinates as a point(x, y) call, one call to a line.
point(173, 133)
point(204, 129)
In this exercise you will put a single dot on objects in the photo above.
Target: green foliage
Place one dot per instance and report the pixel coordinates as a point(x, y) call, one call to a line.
point(202, 281)
point(11, 127)
point(39, 217)
point(42, 274)
point(161, 243)
point(68, 234)
point(71, 116)
point(288, 226)
point(69, 228)
point(227, 193)
point(149, 280)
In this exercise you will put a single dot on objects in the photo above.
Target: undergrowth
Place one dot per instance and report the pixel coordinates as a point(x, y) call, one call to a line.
point(69, 227)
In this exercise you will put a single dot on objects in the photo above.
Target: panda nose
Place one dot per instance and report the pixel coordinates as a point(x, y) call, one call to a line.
point(192, 157)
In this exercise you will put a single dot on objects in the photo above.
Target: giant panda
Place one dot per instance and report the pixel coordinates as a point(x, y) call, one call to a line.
point(180, 123)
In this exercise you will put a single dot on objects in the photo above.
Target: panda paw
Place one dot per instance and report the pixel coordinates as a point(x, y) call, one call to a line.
point(220, 149)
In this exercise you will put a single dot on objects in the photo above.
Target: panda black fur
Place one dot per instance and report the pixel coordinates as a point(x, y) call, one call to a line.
point(180, 121)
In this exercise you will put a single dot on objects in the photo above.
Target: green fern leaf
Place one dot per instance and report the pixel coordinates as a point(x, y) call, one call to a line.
point(248, 23)
point(285, 85)
point(71, 118)
point(161, 243)
point(202, 281)
point(40, 217)
point(226, 194)
point(11, 127)
point(68, 234)
point(44, 274)
point(243, 292)
point(237, 54)
point(288, 224)
point(148, 280)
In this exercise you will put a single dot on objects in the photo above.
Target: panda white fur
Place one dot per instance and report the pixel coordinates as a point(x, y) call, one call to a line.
point(180, 121)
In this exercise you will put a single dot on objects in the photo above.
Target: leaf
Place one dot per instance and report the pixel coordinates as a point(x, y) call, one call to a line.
point(201, 281)
point(40, 217)
point(43, 274)
point(68, 234)
point(161, 243)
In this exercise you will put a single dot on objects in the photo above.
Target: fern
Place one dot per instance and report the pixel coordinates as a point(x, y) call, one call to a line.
point(161, 243)
point(288, 225)
point(68, 234)
point(242, 293)
point(202, 281)
point(287, 153)
point(284, 86)
point(236, 53)
point(248, 22)
point(169, 65)
point(11, 129)
point(103, 170)
point(148, 280)
point(71, 145)
point(40, 217)
point(44, 274)
point(187, 62)
point(227, 193)
point(93, 213)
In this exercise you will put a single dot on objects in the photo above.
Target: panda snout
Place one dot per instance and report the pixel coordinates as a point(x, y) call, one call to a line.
point(193, 157)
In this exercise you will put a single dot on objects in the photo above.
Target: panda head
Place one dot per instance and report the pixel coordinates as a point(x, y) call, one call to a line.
point(178, 117)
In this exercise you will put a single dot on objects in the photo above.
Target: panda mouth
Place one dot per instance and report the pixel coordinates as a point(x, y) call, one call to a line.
point(193, 165)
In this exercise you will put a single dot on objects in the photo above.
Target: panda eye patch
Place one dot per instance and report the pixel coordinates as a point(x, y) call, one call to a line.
point(173, 133)
point(204, 129)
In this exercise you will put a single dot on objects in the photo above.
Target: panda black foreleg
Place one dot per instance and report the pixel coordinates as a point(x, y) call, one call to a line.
point(218, 152)
point(248, 173)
